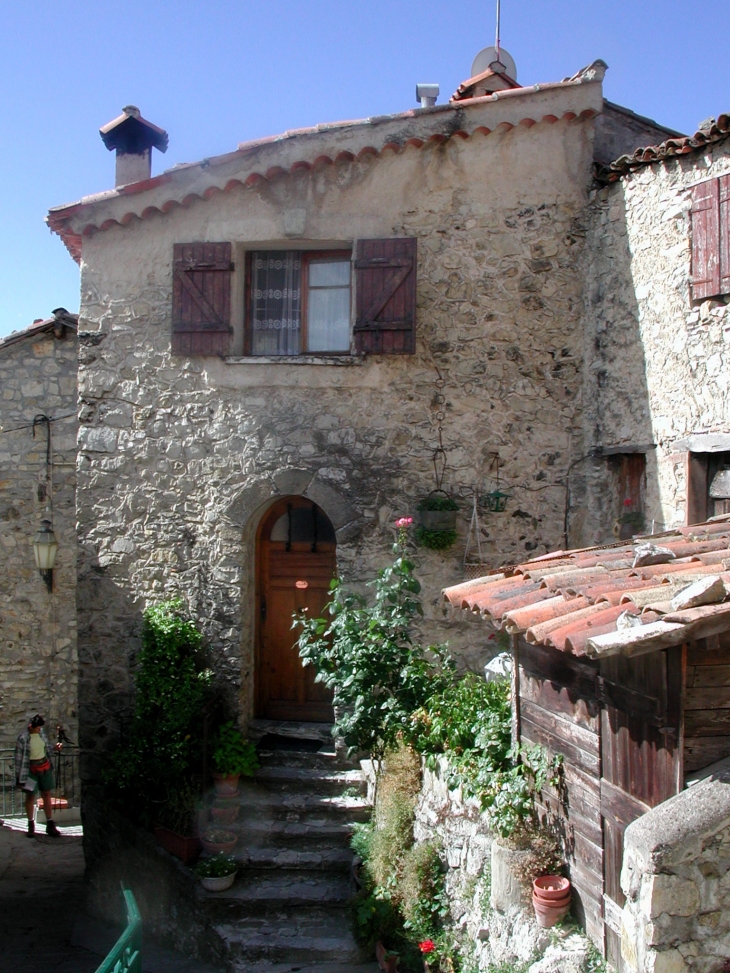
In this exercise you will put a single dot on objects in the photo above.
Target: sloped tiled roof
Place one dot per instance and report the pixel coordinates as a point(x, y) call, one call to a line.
point(61, 319)
point(718, 131)
point(329, 144)
point(572, 600)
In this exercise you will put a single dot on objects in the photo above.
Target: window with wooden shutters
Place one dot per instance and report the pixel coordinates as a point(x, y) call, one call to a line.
point(710, 221)
point(201, 299)
point(386, 296)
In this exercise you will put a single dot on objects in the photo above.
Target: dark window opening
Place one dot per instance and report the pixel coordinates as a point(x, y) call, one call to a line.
point(708, 486)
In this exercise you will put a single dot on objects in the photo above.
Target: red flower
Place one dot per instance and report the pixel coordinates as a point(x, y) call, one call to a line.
point(427, 946)
point(628, 502)
point(404, 522)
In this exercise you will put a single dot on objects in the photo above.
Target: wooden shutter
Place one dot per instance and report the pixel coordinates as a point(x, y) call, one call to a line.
point(705, 219)
point(201, 298)
point(386, 296)
point(696, 488)
point(724, 205)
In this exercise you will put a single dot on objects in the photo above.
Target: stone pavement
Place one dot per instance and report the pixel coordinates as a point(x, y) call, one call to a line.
point(43, 926)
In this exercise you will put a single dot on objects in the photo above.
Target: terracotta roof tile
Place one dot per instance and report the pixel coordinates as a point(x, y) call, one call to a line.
point(718, 131)
point(571, 600)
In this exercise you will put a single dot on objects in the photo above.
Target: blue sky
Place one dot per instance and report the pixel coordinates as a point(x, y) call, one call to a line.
point(217, 72)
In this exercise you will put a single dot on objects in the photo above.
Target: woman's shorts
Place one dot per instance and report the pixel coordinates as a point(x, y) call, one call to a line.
point(44, 781)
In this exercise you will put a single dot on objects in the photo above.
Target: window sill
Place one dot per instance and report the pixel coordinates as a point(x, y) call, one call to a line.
point(343, 361)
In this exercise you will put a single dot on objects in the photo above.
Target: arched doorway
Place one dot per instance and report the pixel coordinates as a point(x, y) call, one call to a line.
point(296, 561)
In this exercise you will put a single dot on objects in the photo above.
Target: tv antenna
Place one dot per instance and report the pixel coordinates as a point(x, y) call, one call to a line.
point(495, 58)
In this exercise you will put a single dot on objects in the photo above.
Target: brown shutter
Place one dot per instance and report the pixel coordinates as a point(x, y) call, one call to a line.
point(724, 234)
point(201, 299)
point(696, 488)
point(386, 296)
point(705, 220)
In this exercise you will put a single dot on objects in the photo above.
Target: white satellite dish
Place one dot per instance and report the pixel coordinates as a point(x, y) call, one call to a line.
point(486, 58)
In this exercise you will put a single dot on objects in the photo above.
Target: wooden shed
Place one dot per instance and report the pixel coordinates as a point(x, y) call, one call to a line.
point(634, 693)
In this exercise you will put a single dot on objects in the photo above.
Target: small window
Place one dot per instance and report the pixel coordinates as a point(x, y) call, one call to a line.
point(708, 486)
point(299, 302)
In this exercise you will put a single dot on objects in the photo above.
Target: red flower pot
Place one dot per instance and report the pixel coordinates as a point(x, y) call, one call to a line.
point(186, 849)
point(387, 961)
point(217, 841)
point(551, 887)
point(224, 813)
point(226, 784)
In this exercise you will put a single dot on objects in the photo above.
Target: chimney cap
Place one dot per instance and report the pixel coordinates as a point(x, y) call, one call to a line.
point(133, 134)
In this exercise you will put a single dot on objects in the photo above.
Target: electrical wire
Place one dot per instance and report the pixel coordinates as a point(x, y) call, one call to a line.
point(30, 425)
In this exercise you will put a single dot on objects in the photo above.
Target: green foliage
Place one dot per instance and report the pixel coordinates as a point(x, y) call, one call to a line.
point(365, 654)
point(164, 742)
point(216, 866)
point(438, 501)
point(435, 540)
point(176, 807)
point(233, 754)
point(423, 896)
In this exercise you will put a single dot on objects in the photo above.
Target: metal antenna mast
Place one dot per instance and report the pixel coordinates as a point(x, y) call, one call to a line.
point(496, 42)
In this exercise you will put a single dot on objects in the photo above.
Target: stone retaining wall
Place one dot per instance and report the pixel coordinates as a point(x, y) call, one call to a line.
point(676, 878)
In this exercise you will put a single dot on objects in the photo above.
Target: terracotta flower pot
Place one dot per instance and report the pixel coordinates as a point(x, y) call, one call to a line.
point(222, 813)
point(226, 784)
point(551, 899)
point(387, 961)
point(186, 849)
point(217, 841)
point(551, 887)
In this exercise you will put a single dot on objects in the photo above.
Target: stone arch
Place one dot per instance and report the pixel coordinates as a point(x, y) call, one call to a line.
point(250, 502)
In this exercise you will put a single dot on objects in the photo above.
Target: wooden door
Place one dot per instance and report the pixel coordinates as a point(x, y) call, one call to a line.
point(296, 563)
point(641, 759)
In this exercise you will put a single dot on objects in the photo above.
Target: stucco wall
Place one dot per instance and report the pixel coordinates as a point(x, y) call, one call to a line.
point(38, 661)
point(179, 457)
point(656, 363)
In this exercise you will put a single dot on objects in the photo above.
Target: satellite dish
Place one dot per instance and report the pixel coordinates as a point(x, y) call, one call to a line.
point(488, 59)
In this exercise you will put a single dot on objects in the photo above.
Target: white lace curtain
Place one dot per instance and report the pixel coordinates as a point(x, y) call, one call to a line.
point(276, 302)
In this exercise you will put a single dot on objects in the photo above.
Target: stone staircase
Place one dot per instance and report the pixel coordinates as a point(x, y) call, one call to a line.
point(288, 908)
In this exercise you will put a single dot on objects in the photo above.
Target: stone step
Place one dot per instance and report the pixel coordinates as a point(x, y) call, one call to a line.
point(281, 939)
point(313, 834)
point(302, 780)
point(257, 729)
point(301, 857)
point(259, 891)
point(321, 760)
point(265, 967)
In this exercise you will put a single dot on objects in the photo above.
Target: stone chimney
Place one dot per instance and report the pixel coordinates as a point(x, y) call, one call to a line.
point(133, 137)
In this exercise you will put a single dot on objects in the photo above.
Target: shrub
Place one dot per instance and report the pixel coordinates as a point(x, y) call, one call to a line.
point(233, 753)
point(164, 741)
point(216, 866)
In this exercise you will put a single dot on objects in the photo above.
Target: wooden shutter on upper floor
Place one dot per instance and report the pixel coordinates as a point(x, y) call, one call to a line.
point(385, 271)
point(705, 220)
point(724, 207)
point(201, 299)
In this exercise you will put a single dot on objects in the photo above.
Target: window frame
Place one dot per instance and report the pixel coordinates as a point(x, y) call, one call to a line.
point(307, 256)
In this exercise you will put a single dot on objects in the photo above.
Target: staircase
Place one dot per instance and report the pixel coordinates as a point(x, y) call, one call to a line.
point(287, 910)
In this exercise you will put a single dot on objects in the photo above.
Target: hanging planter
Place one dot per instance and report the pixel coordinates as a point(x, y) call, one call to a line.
point(475, 561)
point(437, 529)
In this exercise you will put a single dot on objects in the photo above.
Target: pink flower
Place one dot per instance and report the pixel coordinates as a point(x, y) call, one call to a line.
point(427, 946)
point(404, 522)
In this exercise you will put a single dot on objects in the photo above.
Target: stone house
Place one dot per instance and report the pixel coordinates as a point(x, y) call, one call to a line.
point(38, 429)
point(656, 330)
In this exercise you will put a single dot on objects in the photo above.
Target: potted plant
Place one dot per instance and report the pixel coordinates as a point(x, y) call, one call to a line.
point(234, 756)
point(175, 825)
point(437, 529)
point(218, 840)
point(387, 959)
point(217, 873)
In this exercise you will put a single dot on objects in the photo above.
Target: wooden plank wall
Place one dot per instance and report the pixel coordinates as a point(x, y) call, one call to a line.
point(707, 702)
point(559, 709)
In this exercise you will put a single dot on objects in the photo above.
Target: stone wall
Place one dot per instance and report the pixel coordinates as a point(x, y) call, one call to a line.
point(487, 903)
point(656, 364)
point(38, 659)
point(676, 878)
point(179, 458)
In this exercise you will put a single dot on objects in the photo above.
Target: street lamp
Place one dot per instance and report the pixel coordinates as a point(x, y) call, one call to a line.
point(45, 546)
